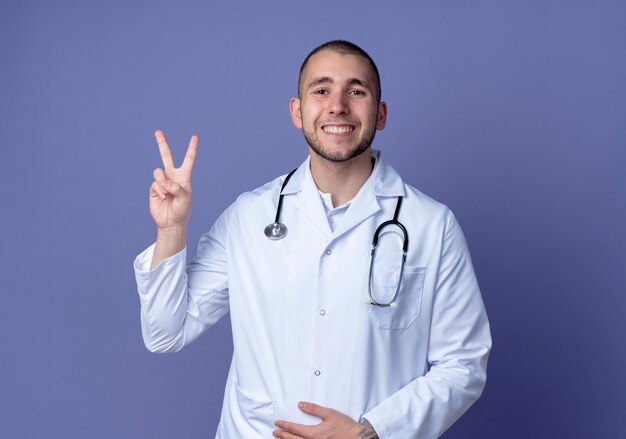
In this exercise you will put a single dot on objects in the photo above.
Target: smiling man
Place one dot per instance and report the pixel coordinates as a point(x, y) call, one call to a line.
point(376, 328)
point(353, 116)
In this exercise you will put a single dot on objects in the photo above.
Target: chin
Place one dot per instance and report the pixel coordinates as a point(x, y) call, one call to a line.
point(339, 156)
point(338, 153)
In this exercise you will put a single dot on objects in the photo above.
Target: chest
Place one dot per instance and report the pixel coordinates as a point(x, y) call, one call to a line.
point(312, 270)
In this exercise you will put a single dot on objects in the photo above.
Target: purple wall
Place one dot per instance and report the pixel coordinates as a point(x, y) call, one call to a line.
point(512, 113)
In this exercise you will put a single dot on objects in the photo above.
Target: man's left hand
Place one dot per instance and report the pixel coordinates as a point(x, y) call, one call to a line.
point(334, 425)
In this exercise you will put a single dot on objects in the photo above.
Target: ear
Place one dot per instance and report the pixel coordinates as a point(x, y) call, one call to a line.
point(381, 118)
point(296, 113)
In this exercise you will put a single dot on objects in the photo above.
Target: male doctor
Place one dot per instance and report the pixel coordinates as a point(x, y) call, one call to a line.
point(344, 342)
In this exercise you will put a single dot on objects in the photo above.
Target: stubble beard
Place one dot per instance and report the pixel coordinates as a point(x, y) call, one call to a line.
point(338, 156)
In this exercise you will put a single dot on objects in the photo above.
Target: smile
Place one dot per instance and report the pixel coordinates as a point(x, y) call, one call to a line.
point(343, 129)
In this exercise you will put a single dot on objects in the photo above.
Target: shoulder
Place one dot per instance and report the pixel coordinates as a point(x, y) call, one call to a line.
point(255, 200)
point(270, 188)
point(389, 184)
point(270, 191)
point(436, 217)
point(249, 205)
point(420, 203)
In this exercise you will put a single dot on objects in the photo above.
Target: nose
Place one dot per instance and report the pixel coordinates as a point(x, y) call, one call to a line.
point(338, 104)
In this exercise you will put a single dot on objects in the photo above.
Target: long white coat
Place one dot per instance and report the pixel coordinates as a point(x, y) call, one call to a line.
point(302, 327)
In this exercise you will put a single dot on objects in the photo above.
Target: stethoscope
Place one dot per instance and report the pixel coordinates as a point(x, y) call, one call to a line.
point(278, 230)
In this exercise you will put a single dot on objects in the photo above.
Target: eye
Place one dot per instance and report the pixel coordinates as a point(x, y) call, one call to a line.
point(357, 92)
point(320, 92)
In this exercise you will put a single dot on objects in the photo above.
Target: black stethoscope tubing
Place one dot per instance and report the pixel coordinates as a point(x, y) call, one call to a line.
point(405, 247)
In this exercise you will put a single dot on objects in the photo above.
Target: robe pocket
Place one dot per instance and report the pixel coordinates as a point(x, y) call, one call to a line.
point(408, 304)
point(256, 416)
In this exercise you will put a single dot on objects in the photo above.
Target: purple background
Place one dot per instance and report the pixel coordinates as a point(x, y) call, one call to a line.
point(513, 113)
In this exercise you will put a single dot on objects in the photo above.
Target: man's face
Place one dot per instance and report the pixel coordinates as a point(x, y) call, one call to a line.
point(338, 109)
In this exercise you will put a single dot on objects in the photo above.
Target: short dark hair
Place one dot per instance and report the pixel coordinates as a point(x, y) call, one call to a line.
point(345, 48)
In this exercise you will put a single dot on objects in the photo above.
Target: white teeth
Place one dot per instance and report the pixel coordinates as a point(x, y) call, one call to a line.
point(338, 130)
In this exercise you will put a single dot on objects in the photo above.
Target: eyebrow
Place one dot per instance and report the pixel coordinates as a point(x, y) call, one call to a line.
point(329, 80)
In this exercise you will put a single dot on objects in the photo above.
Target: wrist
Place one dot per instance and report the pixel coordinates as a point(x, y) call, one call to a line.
point(367, 431)
point(169, 242)
point(174, 234)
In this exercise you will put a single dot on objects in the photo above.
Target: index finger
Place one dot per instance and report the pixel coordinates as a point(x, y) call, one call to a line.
point(294, 428)
point(164, 150)
point(190, 156)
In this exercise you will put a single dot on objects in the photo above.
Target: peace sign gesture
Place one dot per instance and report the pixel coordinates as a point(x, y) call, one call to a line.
point(170, 192)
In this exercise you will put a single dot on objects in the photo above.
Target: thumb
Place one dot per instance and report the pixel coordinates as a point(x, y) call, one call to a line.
point(174, 188)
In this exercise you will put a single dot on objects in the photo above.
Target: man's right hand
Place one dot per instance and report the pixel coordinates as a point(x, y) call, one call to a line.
point(170, 199)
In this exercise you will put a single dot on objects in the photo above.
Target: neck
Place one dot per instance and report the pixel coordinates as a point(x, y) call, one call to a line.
point(342, 180)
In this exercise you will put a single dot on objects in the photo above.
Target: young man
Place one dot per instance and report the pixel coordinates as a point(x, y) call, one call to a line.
point(342, 342)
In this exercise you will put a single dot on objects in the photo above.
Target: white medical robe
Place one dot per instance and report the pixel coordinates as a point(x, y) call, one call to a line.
point(303, 329)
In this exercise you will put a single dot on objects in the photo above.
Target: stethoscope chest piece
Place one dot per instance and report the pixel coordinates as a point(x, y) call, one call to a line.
point(276, 231)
